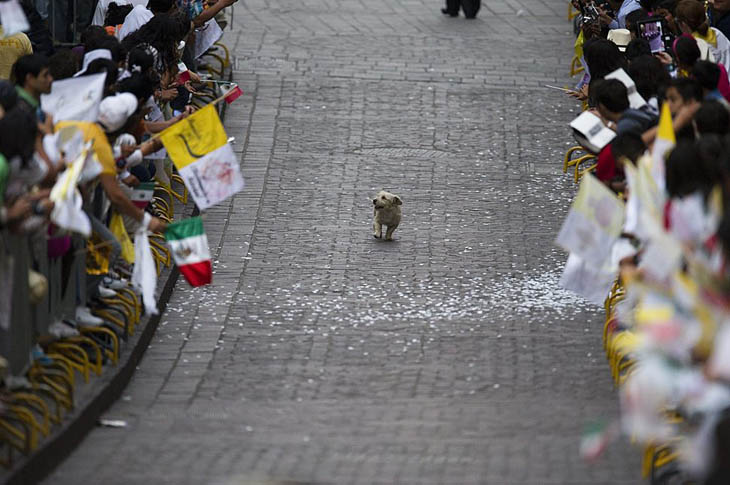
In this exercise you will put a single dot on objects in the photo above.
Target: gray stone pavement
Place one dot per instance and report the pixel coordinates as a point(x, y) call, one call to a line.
point(322, 355)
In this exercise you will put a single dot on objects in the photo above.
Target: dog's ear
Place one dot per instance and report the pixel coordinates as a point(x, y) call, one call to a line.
point(397, 200)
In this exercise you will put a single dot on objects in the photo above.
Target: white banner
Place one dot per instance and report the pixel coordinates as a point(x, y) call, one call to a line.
point(214, 177)
point(75, 99)
point(206, 37)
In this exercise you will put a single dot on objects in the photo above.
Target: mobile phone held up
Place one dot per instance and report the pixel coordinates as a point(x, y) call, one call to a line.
point(656, 32)
point(591, 12)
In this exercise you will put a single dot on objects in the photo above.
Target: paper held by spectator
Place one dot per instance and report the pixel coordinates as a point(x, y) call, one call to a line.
point(636, 101)
point(593, 223)
point(206, 37)
point(646, 203)
point(590, 132)
point(583, 279)
point(662, 256)
point(144, 275)
point(719, 364)
point(214, 177)
point(13, 18)
point(67, 212)
point(75, 99)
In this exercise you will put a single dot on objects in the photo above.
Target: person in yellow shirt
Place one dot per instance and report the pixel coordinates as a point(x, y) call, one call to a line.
point(12, 48)
point(114, 112)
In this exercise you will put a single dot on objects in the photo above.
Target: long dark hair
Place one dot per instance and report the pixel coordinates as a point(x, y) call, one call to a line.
point(602, 57)
point(163, 32)
point(18, 129)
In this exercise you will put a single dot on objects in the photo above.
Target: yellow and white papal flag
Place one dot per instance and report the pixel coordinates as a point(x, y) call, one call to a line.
point(663, 144)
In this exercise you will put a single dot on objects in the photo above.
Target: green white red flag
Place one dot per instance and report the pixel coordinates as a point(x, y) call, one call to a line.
point(189, 247)
point(233, 93)
point(142, 194)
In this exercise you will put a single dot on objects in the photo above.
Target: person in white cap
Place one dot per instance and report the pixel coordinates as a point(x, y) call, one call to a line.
point(114, 111)
point(620, 37)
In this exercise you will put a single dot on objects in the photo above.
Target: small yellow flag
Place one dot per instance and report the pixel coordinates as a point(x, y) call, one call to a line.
point(666, 130)
point(194, 137)
point(116, 226)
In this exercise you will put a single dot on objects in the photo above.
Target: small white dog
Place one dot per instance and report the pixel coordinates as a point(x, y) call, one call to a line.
point(386, 213)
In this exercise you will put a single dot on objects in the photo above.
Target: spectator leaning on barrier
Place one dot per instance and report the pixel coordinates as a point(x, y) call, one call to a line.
point(32, 78)
point(613, 104)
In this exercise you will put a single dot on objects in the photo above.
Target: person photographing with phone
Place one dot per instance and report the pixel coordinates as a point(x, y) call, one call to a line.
point(622, 9)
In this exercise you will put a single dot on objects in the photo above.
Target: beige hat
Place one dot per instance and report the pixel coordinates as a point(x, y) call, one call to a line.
point(115, 110)
point(620, 37)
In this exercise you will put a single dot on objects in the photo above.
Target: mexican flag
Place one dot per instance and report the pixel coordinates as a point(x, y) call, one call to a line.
point(189, 247)
point(142, 194)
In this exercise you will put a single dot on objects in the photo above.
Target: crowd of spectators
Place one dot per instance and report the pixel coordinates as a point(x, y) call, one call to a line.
point(668, 164)
point(147, 55)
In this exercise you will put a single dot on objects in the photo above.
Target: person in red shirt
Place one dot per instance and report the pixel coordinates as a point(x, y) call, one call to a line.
point(626, 146)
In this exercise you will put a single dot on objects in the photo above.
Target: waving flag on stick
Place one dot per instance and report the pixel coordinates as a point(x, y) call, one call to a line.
point(198, 147)
point(189, 248)
point(233, 94)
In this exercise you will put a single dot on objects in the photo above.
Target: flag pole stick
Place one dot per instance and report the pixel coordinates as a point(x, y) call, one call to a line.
point(159, 133)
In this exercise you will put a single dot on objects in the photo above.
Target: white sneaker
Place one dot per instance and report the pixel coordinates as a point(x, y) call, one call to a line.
point(84, 318)
point(17, 383)
point(105, 292)
point(61, 330)
point(115, 284)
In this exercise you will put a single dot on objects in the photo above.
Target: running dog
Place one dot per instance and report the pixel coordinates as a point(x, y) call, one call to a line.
point(386, 213)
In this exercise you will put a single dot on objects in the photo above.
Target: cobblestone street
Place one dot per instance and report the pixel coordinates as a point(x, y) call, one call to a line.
point(322, 355)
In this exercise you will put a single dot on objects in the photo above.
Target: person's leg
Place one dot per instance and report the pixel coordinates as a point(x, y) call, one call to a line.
point(470, 8)
point(99, 228)
point(83, 13)
point(452, 8)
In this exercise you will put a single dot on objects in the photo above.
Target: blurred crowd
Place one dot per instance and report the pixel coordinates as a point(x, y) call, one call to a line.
point(655, 75)
point(85, 90)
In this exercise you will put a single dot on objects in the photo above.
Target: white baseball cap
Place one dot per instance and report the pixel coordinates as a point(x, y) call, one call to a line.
point(115, 110)
point(620, 37)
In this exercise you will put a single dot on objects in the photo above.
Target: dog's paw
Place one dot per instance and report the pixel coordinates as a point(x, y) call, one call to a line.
point(377, 236)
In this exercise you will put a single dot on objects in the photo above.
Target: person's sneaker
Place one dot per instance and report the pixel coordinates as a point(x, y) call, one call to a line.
point(105, 292)
point(17, 383)
point(38, 355)
point(62, 330)
point(84, 318)
point(115, 284)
